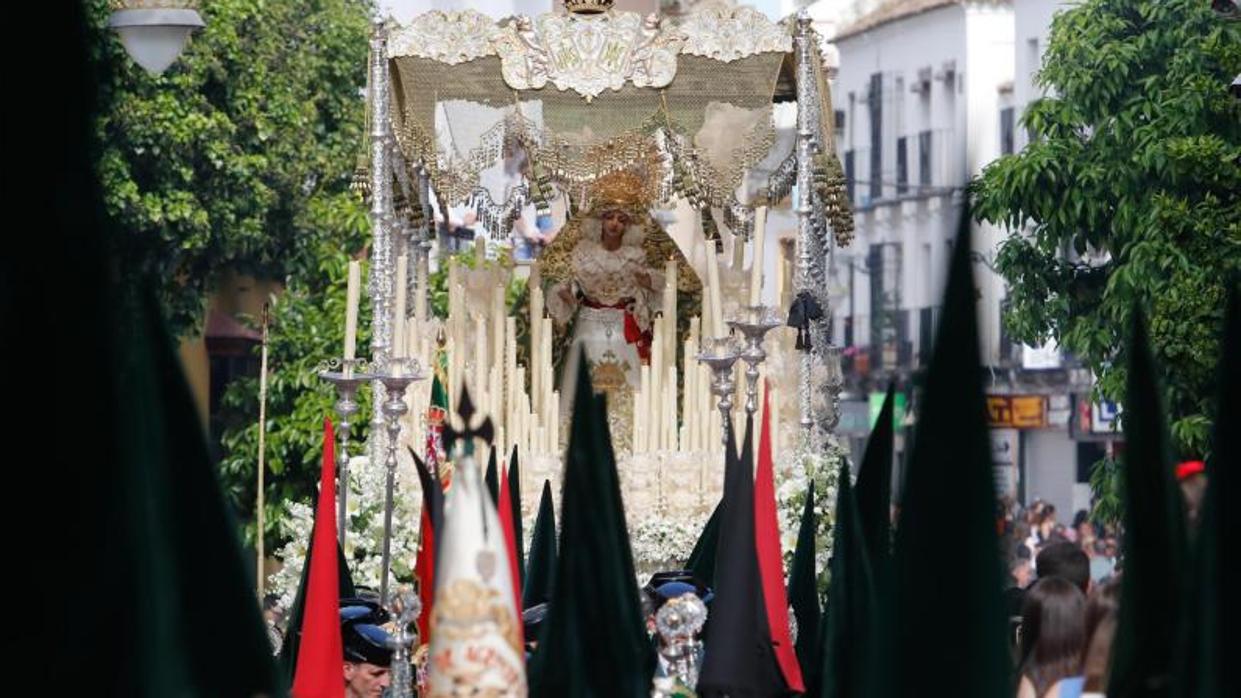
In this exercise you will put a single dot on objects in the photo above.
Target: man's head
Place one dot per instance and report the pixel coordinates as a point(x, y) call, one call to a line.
point(367, 648)
point(1064, 560)
point(532, 623)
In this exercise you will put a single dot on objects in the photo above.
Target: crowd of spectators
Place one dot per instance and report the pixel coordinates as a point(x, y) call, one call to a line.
point(1063, 592)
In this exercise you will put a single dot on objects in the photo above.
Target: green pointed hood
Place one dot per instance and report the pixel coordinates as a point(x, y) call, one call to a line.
point(594, 642)
point(1152, 586)
point(851, 664)
point(541, 565)
point(702, 559)
point(950, 621)
point(874, 488)
point(804, 596)
point(1211, 610)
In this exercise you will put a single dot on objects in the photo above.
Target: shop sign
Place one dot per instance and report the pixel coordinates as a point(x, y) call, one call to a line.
point(898, 409)
point(1016, 411)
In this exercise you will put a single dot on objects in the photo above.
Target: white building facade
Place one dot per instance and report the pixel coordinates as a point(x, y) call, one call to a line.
point(928, 92)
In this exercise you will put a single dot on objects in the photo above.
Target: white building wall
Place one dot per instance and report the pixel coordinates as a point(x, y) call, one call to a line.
point(1032, 23)
point(967, 50)
point(989, 66)
point(1051, 469)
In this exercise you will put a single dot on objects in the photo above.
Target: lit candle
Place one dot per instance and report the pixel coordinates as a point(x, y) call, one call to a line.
point(351, 312)
point(398, 319)
point(756, 264)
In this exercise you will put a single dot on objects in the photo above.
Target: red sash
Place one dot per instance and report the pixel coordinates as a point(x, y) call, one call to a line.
point(633, 334)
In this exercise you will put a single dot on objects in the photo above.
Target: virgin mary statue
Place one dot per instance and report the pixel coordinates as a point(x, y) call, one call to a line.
point(603, 280)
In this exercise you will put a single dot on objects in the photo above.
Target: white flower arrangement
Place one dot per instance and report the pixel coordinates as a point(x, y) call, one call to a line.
point(664, 543)
point(794, 476)
point(364, 543)
point(659, 542)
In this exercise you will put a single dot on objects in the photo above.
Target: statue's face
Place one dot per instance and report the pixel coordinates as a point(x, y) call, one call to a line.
point(613, 226)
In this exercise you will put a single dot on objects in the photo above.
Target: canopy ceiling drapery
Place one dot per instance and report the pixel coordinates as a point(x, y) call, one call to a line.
point(691, 101)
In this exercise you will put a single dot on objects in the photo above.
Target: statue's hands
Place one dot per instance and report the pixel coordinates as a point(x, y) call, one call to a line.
point(644, 279)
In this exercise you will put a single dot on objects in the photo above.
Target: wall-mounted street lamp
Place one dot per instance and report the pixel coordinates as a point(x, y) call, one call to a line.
point(155, 32)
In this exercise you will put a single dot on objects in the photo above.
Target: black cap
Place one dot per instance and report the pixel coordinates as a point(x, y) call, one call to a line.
point(664, 586)
point(366, 643)
point(359, 610)
point(532, 619)
point(363, 639)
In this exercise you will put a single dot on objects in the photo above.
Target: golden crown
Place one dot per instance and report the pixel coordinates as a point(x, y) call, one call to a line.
point(587, 7)
point(620, 190)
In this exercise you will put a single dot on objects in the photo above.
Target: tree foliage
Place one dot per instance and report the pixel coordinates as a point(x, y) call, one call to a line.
point(306, 330)
point(1129, 194)
point(239, 155)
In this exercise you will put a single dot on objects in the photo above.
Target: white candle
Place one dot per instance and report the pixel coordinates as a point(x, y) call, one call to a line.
point(352, 295)
point(398, 315)
point(480, 360)
point(644, 381)
point(554, 420)
point(510, 363)
point(687, 399)
point(420, 294)
point(670, 312)
point(498, 315)
point(713, 286)
point(549, 373)
point(536, 343)
point(637, 416)
point(780, 276)
point(670, 409)
point(495, 391)
point(756, 264)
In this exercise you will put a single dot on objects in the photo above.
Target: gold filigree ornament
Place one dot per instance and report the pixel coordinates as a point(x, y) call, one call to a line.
point(608, 376)
point(587, 7)
point(624, 190)
point(608, 373)
point(467, 610)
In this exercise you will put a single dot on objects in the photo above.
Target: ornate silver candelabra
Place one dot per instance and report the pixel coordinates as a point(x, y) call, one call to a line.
point(719, 354)
point(678, 623)
point(399, 374)
point(754, 324)
point(406, 607)
point(347, 375)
